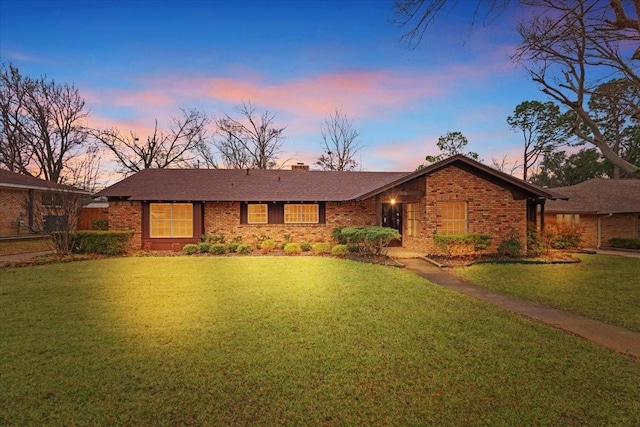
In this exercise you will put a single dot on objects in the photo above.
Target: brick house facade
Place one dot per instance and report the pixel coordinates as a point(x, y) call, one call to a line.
point(21, 202)
point(457, 192)
point(601, 209)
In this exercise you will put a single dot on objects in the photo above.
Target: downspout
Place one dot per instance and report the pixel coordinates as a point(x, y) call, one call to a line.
point(600, 228)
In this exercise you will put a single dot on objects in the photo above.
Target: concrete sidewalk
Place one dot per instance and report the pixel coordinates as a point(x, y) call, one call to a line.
point(609, 336)
point(22, 257)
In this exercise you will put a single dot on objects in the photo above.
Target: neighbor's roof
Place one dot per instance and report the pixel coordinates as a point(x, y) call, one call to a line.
point(599, 195)
point(14, 180)
point(286, 185)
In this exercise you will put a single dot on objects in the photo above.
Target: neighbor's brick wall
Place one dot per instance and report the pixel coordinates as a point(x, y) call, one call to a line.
point(491, 209)
point(125, 215)
point(616, 225)
point(12, 202)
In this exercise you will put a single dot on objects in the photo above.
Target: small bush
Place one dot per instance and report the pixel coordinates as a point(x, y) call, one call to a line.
point(305, 246)
point(563, 236)
point(213, 238)
point(204, 247)
point(100, 224)
point(511, 245)
point(370, 240)
point(292, 249)
point(267, 246)
point(462, 244)
point(339, 250)
point(97, 241)
point(232, 247)
point(190, 249)
point(321, 248)
point(625, 243)
point(244, 249)
point(218, 249)
point(338, 237)
point(535, 241)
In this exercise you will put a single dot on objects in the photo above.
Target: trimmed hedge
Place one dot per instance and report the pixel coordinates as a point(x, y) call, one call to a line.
point(462, 244)
point(625, 243)
point(370, 240)
point(99, 242)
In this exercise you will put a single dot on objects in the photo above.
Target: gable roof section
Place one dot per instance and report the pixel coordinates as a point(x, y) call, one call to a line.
point(14, 180)
point(478, 168)
point(599, 196)
point(225, 185)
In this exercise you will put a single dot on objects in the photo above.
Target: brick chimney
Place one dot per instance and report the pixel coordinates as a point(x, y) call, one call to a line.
point(300, 167)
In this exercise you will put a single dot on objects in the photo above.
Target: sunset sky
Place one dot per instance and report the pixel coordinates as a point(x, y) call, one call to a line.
point(137, 61)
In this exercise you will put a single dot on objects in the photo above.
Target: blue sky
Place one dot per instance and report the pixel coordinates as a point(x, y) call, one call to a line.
point(137, 61)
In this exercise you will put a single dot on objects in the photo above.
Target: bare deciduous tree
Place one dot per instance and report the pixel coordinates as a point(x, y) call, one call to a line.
point(339, 144)
point(177, 147)
point(568, 46)
point(253, 141)
point(42, 124)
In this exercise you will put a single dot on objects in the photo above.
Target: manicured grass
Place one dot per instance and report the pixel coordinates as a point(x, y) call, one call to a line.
point(10, 247)
point(606, 288)
point(286, 341)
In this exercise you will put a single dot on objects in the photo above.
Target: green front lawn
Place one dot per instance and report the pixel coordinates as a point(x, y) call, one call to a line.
point(606, 288)
point(286, 341)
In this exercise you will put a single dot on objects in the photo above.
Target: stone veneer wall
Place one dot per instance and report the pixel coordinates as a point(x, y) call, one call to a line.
point(124, 215)
point(491, 209)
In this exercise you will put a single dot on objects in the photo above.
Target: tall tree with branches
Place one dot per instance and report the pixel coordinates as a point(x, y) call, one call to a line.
point(567, 46)
point(339, 145)
point(252, 141)
point(42, 124)
point(542, 128)
point(176, 147)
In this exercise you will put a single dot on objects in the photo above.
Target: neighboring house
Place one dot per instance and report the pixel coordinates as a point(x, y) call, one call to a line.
point(168, 208)
point(601, 208)
point(23, 202)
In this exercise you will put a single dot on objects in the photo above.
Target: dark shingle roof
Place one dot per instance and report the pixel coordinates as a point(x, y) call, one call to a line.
point(598, 195)
point(286, 185)
point(254, 185)
point(10, 179)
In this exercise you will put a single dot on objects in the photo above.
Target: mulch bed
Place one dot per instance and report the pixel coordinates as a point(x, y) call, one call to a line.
point(464, 261)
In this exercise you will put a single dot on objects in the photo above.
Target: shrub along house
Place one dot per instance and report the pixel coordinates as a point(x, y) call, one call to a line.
point(168, 208)
point(600, 208)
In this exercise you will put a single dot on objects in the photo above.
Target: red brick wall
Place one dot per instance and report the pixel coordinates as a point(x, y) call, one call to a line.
point(127, 216)
point(224, 218)
point(12, 203)
point(491, 209)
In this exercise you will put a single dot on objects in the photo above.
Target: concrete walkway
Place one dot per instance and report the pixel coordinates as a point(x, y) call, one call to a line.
point(609, 336)
point(22, 257)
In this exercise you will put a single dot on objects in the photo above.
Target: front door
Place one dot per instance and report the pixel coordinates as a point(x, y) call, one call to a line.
point(392, 217)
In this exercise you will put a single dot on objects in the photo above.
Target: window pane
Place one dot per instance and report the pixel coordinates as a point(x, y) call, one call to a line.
point(307, 214)
point(257, 213)
point(171, 219)
point(454, 217)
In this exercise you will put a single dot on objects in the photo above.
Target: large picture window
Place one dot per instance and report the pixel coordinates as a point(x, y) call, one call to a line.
point(568, 218)
point(257, 213)
point(413, 210)
point(301, 214)
point(454, 217)
point(171, 220)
